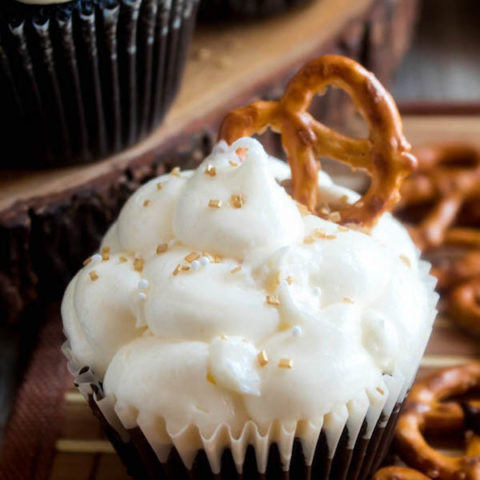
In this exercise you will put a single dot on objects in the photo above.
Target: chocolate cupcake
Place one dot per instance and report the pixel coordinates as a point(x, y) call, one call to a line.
point(83, 79)
point(211, 10)
point(223, 329)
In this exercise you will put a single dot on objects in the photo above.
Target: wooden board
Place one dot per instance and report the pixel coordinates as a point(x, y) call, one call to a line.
point(84, 454)
point(228, 66)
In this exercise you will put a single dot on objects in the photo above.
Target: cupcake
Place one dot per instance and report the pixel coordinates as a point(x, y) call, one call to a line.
point(83, 79)
point(224, 329)
point(211, 10)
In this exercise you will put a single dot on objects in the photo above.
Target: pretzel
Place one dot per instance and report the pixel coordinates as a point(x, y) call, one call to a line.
point(427, 410)
point(448, 176)
point(399, 473)
point(384, 155)
point(448, 182)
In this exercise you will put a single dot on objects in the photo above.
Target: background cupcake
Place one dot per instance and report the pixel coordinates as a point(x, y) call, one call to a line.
point(83, 79)
point(223, 329)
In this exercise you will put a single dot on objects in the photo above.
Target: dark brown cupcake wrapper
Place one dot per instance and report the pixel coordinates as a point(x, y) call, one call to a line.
point(81, 83)
point(211, 10)
point(348, 462)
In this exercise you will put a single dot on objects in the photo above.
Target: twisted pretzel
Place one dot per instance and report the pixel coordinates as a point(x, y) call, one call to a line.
point(448, 183)
point(426, 410)
point(448, 177)
point(384, 155)
point(399, 473)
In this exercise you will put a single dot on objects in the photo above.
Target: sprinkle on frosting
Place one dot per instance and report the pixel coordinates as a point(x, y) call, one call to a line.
point(236, 269)
point(143, 284)
point(297, 331)
point(138, 264)
point(273, 300)
point(380, 391)
point(237, 201)
point(285, 363)
point(406, 260)
point(289, 280)
point(342, 228)
point(211, 378)
point(210, 170)
point(97, 258)
point(146, 203)
point(304, 211)
point(233, 163)
point(175, 172)
point(214, 203)
point(162, 248)
point(204, 261)
point(308, 240)
point(93, 275)
point(335, 217)
point(217, 259)
point(348, 300)
point(159, 186)
point(262, 358)
point(105, 253)
point(87, 261)
point(192, 256)
point(142, 296)
point(122, 259)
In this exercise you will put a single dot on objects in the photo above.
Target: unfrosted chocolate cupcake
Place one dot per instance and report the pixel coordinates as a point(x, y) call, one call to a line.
point(222, 328)
point(83, 79)
point(211, 10)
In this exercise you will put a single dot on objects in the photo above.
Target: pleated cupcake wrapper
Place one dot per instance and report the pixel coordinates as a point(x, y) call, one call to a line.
point(348, 443)
point(81, 83)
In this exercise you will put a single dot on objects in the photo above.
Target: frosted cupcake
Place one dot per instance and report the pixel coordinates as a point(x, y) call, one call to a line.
point(224, 328)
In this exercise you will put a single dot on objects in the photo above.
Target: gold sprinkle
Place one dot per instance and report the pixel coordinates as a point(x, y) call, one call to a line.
point(192, 256)
point(105, 253)
point(138, 264)
point(319, 233)
point(93, 275)
point(175, 172)
point(405, 260)
point(380, 391)
point(342, 228)
point(223, 337)
point(284, 326)
point(304, 211)
point(210, 170)
point(185, 268)
point(236, 269)
point(233, 163)
point(241, 153)
point(309, 240)
point(177, 269)
point(348, 300)
point(237, 201)
point(146, 203)
point(87, 261)
point(159, 186)
point(211, 378)
point(162, 248)
point(331, 236)
point(335, 217)
point(262, 358)
point(215, 203)
point(273, 300)
point(217, 259)
point(285, 363)
point(122, 259)
point(289, 280)
point(325, 210)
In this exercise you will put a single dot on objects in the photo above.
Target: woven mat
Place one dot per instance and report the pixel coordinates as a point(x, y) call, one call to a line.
point(29, 443)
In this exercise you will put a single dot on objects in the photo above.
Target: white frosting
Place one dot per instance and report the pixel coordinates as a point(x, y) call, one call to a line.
point(179, 350)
